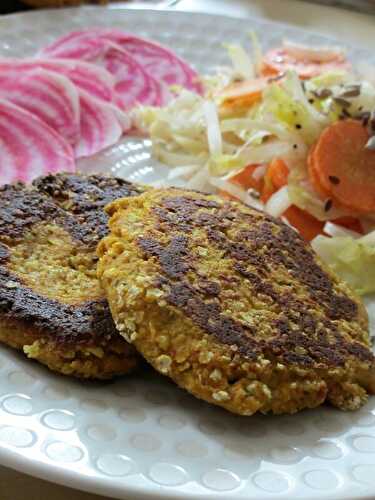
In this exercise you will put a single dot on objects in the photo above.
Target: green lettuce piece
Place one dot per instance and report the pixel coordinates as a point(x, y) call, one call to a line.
point(352, 259)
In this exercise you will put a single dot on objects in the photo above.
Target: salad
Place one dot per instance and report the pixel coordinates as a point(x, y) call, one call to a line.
point(292, 132)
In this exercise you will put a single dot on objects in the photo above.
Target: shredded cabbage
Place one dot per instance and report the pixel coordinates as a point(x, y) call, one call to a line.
point(288, 105)
point(206, 142)
point(242, 64)
point(278, 203)
point(352, 259)
point(215, 144)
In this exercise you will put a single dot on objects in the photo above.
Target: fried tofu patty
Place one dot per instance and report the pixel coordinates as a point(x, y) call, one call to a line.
point(233, 305)
point(51, 302)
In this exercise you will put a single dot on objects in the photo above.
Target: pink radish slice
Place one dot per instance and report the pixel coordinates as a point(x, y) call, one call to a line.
point(159, 61)
point(82, 45)
point(51, 97)
point(89, 77)
point(100, 127)
point(29, 147)
point(134, 85)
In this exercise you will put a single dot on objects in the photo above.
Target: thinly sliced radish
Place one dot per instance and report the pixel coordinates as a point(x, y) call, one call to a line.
point(159, 61)
point(134, 85)
point(89, 77)
point(29, 147)
point(48, 95)
point(100, 127)
point(74, 45)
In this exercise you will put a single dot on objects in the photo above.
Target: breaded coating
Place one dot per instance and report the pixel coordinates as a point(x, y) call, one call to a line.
point(233, 305)
point(51, 302)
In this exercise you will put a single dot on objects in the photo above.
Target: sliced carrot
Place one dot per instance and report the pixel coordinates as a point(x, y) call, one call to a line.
point(246, 180)
point(277, 61)
point(350, 223)
point(242, 95)
point(341, 166)
point(267, 190)
point(315, 182)
point(275, 178)
point(278, 172)
point(307, 225)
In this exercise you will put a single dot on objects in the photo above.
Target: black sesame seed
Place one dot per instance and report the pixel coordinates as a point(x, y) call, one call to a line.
point(342, 102)
point(254, 193)
point(295, 146)
point(351, 91)
point(335, 180)
point(328, 205)
point(323, 93)
point(298, 126)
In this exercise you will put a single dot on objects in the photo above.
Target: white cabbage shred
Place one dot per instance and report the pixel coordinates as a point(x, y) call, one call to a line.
point(205, 142)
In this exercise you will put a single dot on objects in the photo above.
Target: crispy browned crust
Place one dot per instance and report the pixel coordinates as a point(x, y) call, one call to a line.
point(84, 198)
point(233, 305)
point(73, 205)
point(102, 360)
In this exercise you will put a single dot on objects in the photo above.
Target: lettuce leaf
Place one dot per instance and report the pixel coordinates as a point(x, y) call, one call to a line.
point(352, 259)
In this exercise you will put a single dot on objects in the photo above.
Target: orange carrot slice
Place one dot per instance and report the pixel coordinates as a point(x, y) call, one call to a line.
point(307, 225)
point(278, 61)
point(324, 193)
point(278, 172)
point(275, 178)
point(246, 180)
point(341, 166)
point(243, 94)
point(349, 223)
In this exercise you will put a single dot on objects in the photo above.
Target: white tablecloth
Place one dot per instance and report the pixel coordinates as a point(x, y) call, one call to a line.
point(349, 26)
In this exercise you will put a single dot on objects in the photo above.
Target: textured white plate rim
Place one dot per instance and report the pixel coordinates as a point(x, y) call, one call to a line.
point(109, 486)
point(145, 8)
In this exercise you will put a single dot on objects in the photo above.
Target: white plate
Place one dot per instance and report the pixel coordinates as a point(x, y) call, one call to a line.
point(141, 437)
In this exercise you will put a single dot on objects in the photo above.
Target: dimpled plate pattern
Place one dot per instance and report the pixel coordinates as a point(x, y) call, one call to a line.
point(141, 437)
